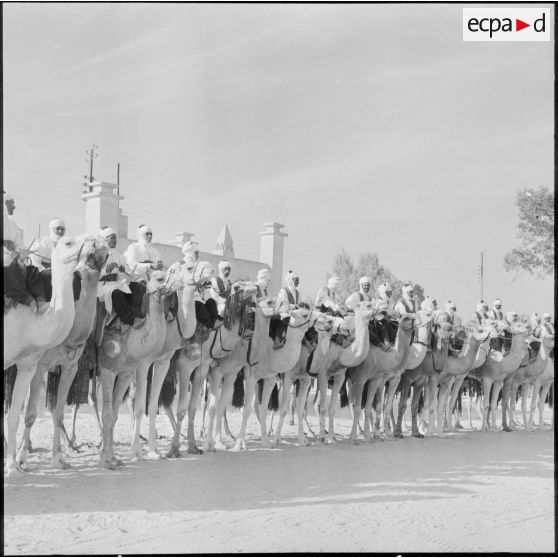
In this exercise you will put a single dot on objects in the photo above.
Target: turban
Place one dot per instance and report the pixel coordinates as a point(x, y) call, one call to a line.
point(56, 223)
point(546, 315)
point(291, 275)
point(8, 197)
point(333, 282)
point(407, 288)
point(383, 288)
point(511, 315)
point(142, 229)
point(105, 232)
point(426, 304)
point(363, 280)
point(224, 264)
point(263, 274)
point(189, 247)
point(536, 318)
point(450, 305)
point(480, 307)
point(497, 302)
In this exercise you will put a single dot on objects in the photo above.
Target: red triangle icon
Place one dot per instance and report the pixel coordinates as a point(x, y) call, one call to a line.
point(519, 25)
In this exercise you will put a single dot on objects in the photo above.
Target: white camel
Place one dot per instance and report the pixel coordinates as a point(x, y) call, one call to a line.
point(27, 335)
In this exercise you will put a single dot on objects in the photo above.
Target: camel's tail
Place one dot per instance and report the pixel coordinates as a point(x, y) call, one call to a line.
point(10, 375)
point(343, 395)
point(53, 379)
point(238, 391)
point(168, 389)
point(273, 404)
point(421, 402)
point(148, 388)
point(79, 390)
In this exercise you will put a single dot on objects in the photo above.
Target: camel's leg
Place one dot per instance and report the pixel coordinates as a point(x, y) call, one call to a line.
point(417, 389)
point(72, 438)
point(452, 402)
point(524, 395)
point(142, 371)
point(507, 405)
point(514, 387)
point(184, 391)
point(486, 385)
point(160, 369)
point(292, 404)
point(544, 392)
point(355, 390)
point(195, 395)
point(123, 381)
point(227, 389)
point(107, 385)
point(322, 396)
point(303, 389)
point(249, 391)
point(494, 403)
point(284, 406)
point(389, 418)
point(442, 405)
point(533, 406)
point(431, 389)
point(336, 388)
point(214, 379)
point(402, 407)
point(268, 384)
point(25, 373)
point(67, 375)
point(31, 413)
point(374, 385)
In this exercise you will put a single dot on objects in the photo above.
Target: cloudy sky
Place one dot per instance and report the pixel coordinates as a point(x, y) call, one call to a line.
point(364, 127)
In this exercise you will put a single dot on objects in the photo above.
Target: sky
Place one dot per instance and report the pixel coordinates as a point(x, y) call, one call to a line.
point(368, 127)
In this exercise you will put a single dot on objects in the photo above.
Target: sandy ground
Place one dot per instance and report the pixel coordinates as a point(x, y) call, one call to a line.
point(468, 492)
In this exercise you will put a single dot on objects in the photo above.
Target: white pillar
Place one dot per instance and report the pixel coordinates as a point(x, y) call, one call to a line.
point(271, 253)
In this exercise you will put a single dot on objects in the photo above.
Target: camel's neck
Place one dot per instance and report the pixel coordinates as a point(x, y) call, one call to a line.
point(465, 362)
point(85, 305)
point(320, 354)
point(62, 291)
point(356, 352)
point(261, 338)
point(402, 346)
point(284, 359)
point(513, 359)
point(482, 351)
point(187, 311)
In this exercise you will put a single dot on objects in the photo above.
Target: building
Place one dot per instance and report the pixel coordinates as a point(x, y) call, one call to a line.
point(102, 209)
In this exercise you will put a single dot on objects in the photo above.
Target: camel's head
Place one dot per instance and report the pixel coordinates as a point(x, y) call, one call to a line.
point(70, 250)
point(406, 323)
point(158, 281)
point(324, 322)
point(267, 306)
point(425, 316)
point(442, 326)
point(94, 253)
point(247, 288)
point(518, 328)
point(489, 328)
point(365, 310)
point(300, 317)
point(199, 275)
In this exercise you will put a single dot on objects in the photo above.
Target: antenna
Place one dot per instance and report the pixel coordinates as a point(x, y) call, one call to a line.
point(91, 154)
point(481, 275)
point(118, 178)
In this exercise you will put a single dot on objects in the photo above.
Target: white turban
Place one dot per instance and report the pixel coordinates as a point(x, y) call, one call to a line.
point(546, 315)
point(291, 275)
point(263, 274)
point(497, 302)
point(105, 232)
point(426, 304)
point(450, 305)
point(56, 223)
point(333, 282)
point(383, 288)
point(142, 229)
point(511, 316)
point(363, 280)
point(480, 306)
point(536, 318)
point(188, 250)
point(223, 264)
point(8, 197)
point(407, 288)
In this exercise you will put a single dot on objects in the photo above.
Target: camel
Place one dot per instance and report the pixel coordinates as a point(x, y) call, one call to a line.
point(218, 345)
point(121, 353)
point(525, 376)
point(373, 370)
point(458, 367)
point(480, 359)
point(497, 368)
point(302, 373)
point(541, 386)
point(27, 335)
point(267, 363)
point(67, 355)
point(222, 378)
point(416, 355)
point(425, 375)
point(177, 331)
point(339, 359)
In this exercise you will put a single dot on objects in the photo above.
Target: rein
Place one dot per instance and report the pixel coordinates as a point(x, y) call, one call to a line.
point(220, 334)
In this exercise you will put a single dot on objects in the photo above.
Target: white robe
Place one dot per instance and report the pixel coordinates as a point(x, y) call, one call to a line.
point(43, 249)
point(138, 253)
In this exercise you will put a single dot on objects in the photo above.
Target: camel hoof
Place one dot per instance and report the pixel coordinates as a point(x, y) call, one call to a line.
point(221, 446)
point(331, 441)
point(304, 443)
point(194, 450)
point(22, 457)
point(239, 446)
point(417, 435)
point(14, 470)
point(117, 461)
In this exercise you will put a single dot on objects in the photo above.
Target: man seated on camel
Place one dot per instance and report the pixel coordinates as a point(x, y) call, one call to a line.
point(15, 270)
point(382, 324)
point(406, 306)
point(204, 301)
point(328, 300)
point(113, 286)
point(362, 295)
point(481, 314)
point(288, 298)
point(547, 323)
point(222, 285)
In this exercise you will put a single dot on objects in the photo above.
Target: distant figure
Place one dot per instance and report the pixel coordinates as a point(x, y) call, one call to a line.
point(262, 283)
point(222, 285)
point(43, 248)
point(328, 299)
point(451, 309)
point(141, 255)
point(287, 299)
point(497, 313)
point(362, 295)
point(406, 305)
point(480, 312)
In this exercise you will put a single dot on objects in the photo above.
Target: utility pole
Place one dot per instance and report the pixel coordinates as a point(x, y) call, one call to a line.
point(91, 154)
point(118, 178)
point(481, 275)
